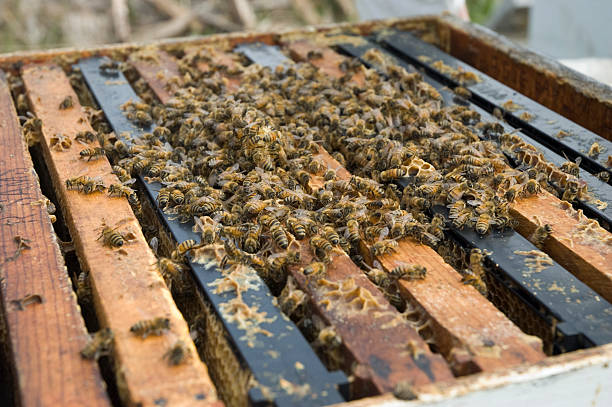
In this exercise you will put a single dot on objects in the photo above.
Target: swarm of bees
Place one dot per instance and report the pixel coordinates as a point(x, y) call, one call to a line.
point(245, 168)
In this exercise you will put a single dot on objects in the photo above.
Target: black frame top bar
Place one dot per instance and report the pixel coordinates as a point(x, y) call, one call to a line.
point(489, 93)
point(569, 304)
point(269, 358)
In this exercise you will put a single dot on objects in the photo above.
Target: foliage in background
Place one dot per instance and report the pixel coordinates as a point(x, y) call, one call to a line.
point(480, 10)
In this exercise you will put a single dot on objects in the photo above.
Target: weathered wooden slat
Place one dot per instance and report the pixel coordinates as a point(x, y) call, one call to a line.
point(562, 308)
point(126, 283)
point(156, 71)
point(544, 125)
point(286, 354)
point(354, 322)
point(46, 337)
point(459, 334)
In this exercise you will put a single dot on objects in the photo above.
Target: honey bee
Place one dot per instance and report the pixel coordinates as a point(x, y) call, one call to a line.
point(331, 235)
point(177, 354)
point(110, 237)
point(85, 184)
point(462, 218)
point(352, 231)
point(321, 247)
point(462, 92)
point(393, 174)
point(512, 192)
point(316, 268)
point(532, 187)
point(476, 261)
point(83, 287)
point(572, 168)
point(314, 54)
point(329, 175)
point(474, 280)
point(483, 223)
point(177, 196)
point(163, 197)
point(276, 230)
point(541, 233)
point(278, 262)
point(457, 192)
point(92, 153)
point(123, 190)
point(85, 137)
point(121, 173)
point(383, 247)
point(594, 150)
point(603, 176)
point(207, 227)
point(66, 103)
point(170, 270)
point(571, 192)
point(436, 227)
point(251, 241)
point(255, 206)
point(121, 148)
point(99, 344)
point(297, 227)
point(409, 272)
point(156, 326)
point(182, 249)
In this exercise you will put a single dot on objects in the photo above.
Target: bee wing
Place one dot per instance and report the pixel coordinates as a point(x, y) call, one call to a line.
point(384, 232)
point(154, 244)
point(129, 181)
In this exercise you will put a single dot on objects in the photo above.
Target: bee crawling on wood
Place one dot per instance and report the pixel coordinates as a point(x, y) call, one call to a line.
point(99, 344)
point(156, 326)
point(121, 190)
point(541, 233)
point(85, 137)
point(110, 237)
point(85, 184)
point(92, 153)
point(67, 103)
point(409, 272)
point(473, 279)
point(27, 300)
point(177, 354)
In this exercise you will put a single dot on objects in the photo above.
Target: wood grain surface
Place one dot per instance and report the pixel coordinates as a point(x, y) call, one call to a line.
point(46, 337)
point(126, 283)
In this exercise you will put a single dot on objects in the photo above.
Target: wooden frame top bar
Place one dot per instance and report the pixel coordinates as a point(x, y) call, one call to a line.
point(46, 337)
point(126, 283)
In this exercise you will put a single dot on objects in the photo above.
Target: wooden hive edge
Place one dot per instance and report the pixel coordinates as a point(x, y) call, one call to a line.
point(143, 376)
point(46, 337)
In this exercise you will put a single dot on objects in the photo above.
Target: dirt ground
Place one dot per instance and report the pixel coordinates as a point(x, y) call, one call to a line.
point(37, 24)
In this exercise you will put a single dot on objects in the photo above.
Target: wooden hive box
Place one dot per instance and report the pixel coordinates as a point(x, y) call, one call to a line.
point(537, 337)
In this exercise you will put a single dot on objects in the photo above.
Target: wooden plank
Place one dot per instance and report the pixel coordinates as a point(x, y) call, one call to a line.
point(156, 71)
point(577, 243)
point(461, 335)
point(126, 283)
point(46, 337)
point(354, 326)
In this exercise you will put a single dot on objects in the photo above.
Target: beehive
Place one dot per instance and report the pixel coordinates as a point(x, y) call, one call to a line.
point(427, 339)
